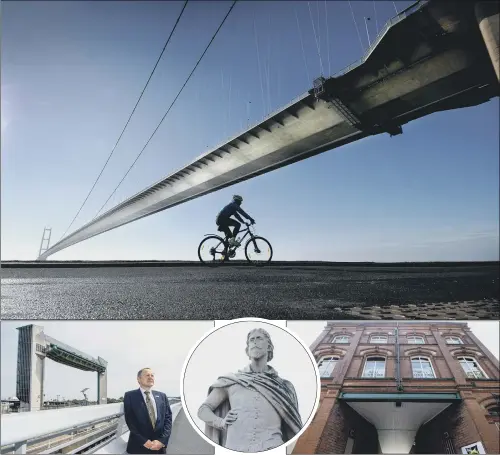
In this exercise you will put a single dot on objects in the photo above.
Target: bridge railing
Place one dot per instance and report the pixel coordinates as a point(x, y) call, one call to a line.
point(398, 18)
point(93, 428)
point(250, 127)
point(19, 429)
point(118, 445)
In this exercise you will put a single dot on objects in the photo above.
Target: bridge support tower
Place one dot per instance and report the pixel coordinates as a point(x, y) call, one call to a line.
point(487, 14)
point(34, 346)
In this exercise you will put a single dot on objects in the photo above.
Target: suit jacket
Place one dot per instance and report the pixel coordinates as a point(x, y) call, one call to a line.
point(139, 424)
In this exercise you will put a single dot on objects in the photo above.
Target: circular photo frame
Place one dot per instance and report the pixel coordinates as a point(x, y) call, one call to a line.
point(250, 386)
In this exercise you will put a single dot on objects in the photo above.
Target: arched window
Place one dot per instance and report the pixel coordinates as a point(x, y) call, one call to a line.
point(341, 339)
point(472, 368)
point(494, 411)
point(421, 368)
point(374, 368)
point(378, 339)
point(454, 340)
point(415, 340)
point(326, 366)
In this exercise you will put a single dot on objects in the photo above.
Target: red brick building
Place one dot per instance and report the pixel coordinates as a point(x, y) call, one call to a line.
point(404, 387)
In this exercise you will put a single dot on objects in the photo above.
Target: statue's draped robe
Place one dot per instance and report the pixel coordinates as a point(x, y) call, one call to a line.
point(269, 387)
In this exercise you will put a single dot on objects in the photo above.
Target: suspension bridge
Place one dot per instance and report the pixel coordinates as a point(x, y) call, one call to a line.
point(433, 56)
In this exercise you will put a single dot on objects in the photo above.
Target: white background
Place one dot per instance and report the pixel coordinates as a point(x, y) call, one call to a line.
point(127, 346)
point(161, 345)
point(223, 351)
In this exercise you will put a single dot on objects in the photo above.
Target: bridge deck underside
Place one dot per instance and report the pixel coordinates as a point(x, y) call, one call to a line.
point(67, 355)
point(421, 65)
point(70, 359)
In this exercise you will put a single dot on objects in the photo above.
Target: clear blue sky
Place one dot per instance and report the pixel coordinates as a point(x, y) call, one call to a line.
point(72, 71)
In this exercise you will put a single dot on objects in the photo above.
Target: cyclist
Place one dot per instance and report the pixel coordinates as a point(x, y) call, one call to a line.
point(224, 219)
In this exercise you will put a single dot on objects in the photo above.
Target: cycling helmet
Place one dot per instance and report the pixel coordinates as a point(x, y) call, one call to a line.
point(237, 198)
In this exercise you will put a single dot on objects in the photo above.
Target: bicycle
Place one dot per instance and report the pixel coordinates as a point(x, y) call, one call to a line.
point(221, 252)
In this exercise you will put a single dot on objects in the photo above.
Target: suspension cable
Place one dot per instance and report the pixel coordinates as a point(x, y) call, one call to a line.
point(302, 44)
point(356, 25)
point(269, 67)
point(316, 39)
point(319, 28)
point(229, 104)
point(328, 41)
point(259, 65)
point(130, 117)
point(170, 107)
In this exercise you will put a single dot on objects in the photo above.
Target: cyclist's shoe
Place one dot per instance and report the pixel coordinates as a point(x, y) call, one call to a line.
point(233, 243)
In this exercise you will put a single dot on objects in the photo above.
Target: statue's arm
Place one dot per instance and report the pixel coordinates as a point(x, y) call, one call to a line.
point(206, 412)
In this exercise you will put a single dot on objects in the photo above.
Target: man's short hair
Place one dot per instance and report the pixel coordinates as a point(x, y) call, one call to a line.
point(141, 370)
point(270, 349)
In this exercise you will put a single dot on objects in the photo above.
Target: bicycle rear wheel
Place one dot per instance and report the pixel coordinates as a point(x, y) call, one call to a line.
point(258, 251)
point(212, 251)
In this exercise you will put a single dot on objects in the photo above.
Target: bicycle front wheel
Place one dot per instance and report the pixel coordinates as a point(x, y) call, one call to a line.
point(258, 251)
point(212, 251)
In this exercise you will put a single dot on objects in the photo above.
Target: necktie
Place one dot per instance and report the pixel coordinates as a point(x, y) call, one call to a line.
point(151, 410)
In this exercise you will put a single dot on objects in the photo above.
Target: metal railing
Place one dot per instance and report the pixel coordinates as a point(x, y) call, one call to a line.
point(28, 428)
point(119, 442)
point(391, 22)
point(87, 427)
point(80, 441)
point(210, 150)
point(398, 18)
point(143, 208)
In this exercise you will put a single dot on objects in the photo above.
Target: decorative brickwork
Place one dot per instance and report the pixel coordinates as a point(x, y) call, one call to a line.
point(338, 428)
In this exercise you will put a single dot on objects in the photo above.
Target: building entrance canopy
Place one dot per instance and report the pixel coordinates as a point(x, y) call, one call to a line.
point(398, 416)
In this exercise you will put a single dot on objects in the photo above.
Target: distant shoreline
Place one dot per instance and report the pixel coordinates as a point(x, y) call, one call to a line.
point(158, 263)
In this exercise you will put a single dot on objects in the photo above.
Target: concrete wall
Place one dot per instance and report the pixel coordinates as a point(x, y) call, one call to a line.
point(30, 367)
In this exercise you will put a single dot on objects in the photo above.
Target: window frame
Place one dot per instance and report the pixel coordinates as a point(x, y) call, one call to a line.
point(493, 406)
point(330, 358)
point(341, 336)
point(409, 337)
point(467, 359)
point(386, 337)
point(378, 359)
point(420, 358)
point(454, 336)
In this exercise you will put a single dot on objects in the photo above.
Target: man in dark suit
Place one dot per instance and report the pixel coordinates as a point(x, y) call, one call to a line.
point(148, 416)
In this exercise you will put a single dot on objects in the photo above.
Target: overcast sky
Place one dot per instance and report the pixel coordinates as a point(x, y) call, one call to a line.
point(131, 345)
point(291, 361)
point(486, 331)
point(128, 346)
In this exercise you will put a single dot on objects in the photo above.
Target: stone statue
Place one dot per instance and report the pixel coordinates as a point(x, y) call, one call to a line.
point(254, 409)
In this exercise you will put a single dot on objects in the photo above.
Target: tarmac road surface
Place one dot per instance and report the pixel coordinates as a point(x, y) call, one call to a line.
point(283, 291)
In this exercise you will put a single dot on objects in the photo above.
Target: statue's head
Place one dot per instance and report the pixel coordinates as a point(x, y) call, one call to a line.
point(259, 344)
